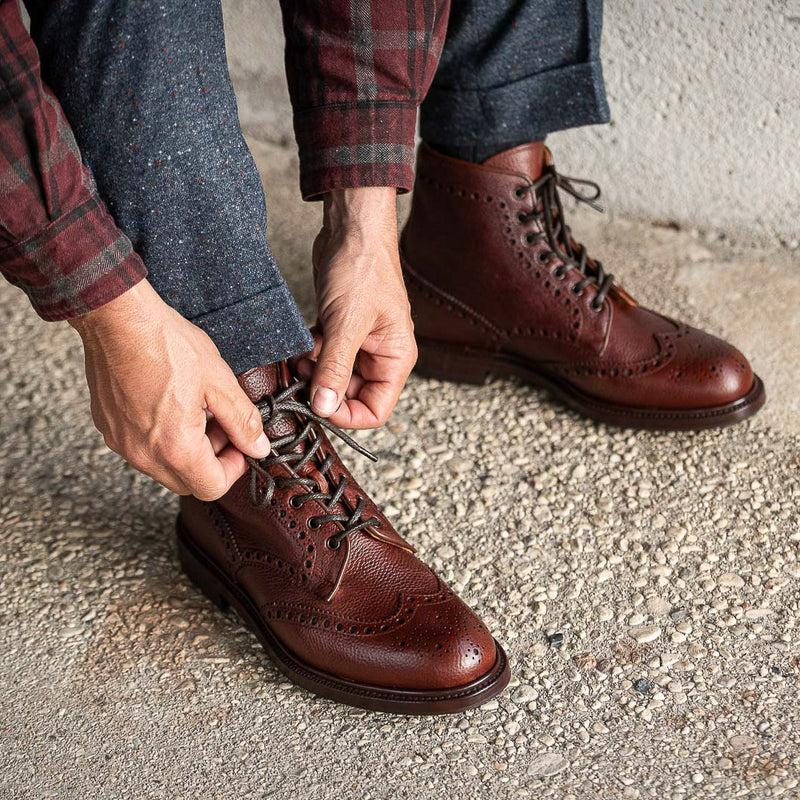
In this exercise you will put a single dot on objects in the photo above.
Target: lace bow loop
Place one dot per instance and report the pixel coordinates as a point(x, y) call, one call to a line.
point(567, 184)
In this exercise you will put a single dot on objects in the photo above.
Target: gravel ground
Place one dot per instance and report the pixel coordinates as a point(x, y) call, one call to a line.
point(645, 585)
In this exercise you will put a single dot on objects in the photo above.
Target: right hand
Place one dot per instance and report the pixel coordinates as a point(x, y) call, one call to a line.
point(164, 399)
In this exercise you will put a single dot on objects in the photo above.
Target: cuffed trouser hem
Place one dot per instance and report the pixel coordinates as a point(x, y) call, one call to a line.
point(258, 330)
point(523, 111)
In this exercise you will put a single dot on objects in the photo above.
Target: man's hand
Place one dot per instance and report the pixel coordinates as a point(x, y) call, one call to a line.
point(364, 339)
point(164, 399)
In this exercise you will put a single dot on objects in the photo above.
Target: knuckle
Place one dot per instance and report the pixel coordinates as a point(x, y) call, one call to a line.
point(213, 394)
point(335, 364)
point(345, 324)
point(411, 355)
point(173, 453)
point(111, 442)
point(252, 421)
point(208, 490)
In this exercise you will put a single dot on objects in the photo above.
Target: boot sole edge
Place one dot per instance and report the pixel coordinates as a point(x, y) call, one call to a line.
point(223, 592)
point(469, 365)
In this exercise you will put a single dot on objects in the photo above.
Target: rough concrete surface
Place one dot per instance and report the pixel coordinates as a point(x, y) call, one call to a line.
point(703, 95)
point(668, 563)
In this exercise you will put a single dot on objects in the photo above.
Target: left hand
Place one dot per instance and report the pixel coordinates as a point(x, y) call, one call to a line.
point(364, 346)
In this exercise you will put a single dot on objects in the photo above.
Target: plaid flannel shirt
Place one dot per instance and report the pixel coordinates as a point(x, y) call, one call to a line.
point(57, 240)
point(357, 72)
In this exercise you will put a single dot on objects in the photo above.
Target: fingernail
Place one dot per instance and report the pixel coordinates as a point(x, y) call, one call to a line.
point(324, 401)
point(261, 446)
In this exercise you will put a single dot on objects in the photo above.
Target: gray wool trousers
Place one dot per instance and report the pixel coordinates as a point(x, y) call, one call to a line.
point(146, 89)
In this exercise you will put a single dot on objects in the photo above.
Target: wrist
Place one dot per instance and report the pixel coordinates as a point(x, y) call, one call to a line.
point(136, 303)
point(364, 209)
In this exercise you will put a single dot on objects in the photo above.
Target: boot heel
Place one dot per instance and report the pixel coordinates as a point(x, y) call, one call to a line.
point(200, 576)
point(450, 364)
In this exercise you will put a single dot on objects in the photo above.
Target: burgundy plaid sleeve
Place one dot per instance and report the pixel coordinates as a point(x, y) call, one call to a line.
point(358, 70)
point(57, 240)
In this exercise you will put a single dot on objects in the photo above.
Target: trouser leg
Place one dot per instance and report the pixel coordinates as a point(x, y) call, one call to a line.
point(512, 71)
point(147, 91)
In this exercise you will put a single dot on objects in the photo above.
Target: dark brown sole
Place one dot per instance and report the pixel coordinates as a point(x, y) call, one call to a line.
point(468, 365)
point(219, 588)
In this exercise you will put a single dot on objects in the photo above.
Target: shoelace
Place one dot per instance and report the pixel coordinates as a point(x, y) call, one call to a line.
point(558, 234)
point(284, 404)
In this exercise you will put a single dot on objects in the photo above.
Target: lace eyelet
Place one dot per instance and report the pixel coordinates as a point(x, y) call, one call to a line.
point(577, 291)
point(560, 273)
point(595, 307)
point(295, 502)
point(544, 255)
point(314, 523)
point(521, 191)
point(332, 543)
point(522, 217)
point(530, 238)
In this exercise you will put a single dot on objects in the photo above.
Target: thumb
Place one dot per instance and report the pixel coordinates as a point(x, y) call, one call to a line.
point(238, 417)
point(334, 366)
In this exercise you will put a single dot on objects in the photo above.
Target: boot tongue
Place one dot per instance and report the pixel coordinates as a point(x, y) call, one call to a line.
point(262, 381)
point(527, 159)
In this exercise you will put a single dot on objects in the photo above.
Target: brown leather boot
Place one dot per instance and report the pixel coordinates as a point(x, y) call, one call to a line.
point(498, 285)
point(336, 597)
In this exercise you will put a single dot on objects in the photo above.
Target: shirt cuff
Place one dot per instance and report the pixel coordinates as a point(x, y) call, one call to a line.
point(348, 146)
point(79, 262)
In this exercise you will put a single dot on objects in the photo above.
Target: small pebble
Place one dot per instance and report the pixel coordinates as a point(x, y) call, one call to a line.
point(657, 606)
point(604, 613)
point(584, 660)
point(524, 693)
point(645, 634)
point(730, 580)
point(547, 764)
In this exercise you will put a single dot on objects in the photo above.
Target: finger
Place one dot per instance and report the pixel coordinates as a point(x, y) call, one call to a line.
point(355, 385)
point(304, 364)
point(316, 333)
point(217, 436)
point(233, 464)
point(340, 343)
point(237, 416)
point(208, 475)
point(304, 368)
point(371, 405)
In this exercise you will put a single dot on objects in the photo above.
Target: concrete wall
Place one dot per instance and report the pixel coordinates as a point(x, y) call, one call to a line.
point(705, 98)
